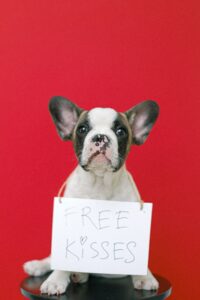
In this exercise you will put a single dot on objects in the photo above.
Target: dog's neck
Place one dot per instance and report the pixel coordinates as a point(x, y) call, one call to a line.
point(101, 184)
point(102, 176)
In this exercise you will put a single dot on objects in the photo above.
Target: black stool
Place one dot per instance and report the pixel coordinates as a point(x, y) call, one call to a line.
point(98, 288)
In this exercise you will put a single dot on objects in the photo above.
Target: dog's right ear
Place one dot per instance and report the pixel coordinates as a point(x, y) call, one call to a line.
point(65, 115)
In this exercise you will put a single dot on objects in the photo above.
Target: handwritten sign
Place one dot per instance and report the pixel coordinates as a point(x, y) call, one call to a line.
point(100, 236)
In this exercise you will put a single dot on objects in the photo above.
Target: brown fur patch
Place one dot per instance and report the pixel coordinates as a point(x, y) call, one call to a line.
point(82, 118)
point(124, 120)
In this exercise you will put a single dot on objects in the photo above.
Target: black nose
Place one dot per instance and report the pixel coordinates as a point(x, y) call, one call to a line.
point(100, 138)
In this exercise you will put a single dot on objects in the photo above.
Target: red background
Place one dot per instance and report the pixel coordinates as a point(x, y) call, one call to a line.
point(99, 53)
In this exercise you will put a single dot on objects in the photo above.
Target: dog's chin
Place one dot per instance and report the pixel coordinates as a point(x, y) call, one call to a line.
point(100, 164)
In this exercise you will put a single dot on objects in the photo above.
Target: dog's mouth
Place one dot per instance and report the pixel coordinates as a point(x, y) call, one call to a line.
point(98, 160)
point(99, 154)
point(99, 157)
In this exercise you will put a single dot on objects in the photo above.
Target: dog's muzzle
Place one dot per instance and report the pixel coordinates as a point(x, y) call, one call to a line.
point(100, 152)
point(99, 149)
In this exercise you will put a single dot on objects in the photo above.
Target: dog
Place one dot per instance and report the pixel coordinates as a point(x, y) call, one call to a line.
point(102, 138)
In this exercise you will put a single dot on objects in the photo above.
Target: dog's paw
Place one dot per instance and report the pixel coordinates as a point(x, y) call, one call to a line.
point(56, 283)
point(79, 277)
point(36, 267)
point(53, 287)
point(145, 283)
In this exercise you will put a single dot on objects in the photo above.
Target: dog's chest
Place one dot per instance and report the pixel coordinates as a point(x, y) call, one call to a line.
point(115, 186)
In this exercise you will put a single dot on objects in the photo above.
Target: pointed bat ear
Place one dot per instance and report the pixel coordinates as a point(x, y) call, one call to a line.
point(65, 115)
point(141, 119)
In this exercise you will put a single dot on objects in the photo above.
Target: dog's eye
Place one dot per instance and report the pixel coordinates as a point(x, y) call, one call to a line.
point(83, 129)
point(120, 131)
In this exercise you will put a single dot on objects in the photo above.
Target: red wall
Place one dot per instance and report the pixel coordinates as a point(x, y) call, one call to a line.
point(99, 53)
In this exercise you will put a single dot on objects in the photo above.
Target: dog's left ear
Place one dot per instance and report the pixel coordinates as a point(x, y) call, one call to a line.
point(141, 119)
point(65, 115)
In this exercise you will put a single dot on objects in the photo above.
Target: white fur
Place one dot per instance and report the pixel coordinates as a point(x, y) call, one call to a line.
point(37, 267)
point(102, 116)
point(56, 283)
point(81, 184)
point(99, 183)
point(96, 185)
point(101, 121)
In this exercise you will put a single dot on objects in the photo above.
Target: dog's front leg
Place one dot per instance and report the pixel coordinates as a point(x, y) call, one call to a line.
point(37, 267)
point(56, 283)
point(145, 282)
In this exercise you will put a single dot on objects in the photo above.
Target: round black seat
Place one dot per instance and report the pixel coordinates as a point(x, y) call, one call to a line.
point(98, 289)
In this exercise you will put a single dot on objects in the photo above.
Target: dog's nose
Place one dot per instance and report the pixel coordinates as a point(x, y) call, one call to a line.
point(100, 138)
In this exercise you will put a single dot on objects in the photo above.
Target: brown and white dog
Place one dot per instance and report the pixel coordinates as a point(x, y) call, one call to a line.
point(102, 138)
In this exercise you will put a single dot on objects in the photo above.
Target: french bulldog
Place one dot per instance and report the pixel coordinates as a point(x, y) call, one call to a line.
point(102, 138)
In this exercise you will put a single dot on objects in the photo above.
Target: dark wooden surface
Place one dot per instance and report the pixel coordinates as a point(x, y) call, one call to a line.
point(98, 289)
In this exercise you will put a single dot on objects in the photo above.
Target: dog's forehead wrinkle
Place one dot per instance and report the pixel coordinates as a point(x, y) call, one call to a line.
point(102, 117)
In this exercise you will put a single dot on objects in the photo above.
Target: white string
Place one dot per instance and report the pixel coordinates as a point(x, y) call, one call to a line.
point(135, 189)
point(62, 188)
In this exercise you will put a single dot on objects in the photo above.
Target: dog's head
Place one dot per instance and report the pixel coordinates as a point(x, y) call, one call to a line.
point(102, 136)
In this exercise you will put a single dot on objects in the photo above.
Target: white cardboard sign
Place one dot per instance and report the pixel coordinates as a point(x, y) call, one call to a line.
point(100, 236)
